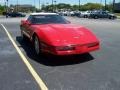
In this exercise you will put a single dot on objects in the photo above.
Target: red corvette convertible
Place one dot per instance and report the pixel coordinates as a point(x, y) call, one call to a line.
point(51, 33)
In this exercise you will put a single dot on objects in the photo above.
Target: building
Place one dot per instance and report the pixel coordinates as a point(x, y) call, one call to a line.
point(117, 8)
point(23, 8)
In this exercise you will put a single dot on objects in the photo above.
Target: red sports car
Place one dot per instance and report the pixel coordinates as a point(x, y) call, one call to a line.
point(51, 33)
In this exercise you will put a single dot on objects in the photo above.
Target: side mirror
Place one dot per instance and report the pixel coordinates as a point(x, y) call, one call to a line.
point(25, 22)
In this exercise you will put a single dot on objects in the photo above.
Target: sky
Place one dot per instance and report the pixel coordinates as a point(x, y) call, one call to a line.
point(58, 1)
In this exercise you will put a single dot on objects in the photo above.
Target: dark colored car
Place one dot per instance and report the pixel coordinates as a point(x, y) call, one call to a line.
point(102, 14)
point(16, 14)
point(77, 14)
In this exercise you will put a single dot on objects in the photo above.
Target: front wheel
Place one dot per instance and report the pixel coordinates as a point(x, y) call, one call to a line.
point(85, 16)
point(37, 45)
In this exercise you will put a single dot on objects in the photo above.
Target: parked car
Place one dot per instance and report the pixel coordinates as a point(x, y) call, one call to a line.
point(51, 33)
point(77, 13)
point(71, 13)
point(85, 14)
point(102, 14)
point(60, 13)
point(15, 14)
point(65, 13)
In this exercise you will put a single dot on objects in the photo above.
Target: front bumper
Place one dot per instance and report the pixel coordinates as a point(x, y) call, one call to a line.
point(78, 50)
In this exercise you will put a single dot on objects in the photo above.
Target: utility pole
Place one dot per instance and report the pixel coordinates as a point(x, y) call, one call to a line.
point(79, 4)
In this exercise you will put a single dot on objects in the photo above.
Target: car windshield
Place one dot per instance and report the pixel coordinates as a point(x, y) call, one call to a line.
point(47, 19)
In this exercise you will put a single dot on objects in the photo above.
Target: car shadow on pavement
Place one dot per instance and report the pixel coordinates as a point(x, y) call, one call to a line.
point(52, 60)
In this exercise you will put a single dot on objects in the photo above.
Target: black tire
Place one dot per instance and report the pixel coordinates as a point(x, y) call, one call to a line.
point(85, 16)
point(37, 46)
point(111, 17)
point(95, 17)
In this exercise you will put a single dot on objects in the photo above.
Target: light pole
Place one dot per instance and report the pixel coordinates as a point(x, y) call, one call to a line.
point(105, 5)
point(100, 1)
point(17, 6)
point(55, 5)
point(6, 6)
point(47, 5)
point(39, 4)
point(101, 4)
point(79, 4)
point(52, 6)
point(113, 6)
point(34, 6)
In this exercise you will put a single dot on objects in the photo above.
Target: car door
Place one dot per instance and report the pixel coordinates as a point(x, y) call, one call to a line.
point(101, 14)
point(105, 15)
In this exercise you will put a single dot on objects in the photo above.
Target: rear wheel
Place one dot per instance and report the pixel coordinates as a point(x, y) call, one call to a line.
point(37, 45)
point(111, 17)
point(85, 16)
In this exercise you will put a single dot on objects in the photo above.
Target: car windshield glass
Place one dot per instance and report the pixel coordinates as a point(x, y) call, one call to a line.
point(47, 19)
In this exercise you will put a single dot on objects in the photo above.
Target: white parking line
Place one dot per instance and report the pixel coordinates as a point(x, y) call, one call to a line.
point(26, 62)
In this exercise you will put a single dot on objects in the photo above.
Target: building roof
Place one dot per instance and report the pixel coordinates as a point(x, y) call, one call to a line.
point(43, 13)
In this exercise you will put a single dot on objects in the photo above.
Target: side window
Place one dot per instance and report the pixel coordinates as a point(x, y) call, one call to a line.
point(100, 13)
point(30, 18)
point(104, 13)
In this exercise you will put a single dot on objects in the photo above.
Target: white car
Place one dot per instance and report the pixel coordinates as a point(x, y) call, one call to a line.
point(65, 13)
point(85, 14)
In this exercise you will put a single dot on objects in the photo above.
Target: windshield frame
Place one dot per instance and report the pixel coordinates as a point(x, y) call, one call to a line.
point(61, 20)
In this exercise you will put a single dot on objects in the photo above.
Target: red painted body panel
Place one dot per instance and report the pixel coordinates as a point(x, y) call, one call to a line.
point(55, 35)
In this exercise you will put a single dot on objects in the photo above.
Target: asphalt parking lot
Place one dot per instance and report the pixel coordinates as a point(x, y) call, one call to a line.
point(99, 70)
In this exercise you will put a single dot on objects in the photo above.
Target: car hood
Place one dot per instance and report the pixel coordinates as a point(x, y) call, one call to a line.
point(111, 14)
point(64, 34)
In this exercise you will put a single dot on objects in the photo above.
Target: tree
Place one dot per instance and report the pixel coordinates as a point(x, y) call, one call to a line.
point(87, 6)
point(2, 9)
point(92, 6)
point(75, 7)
